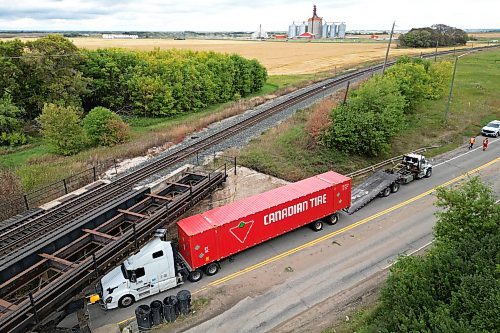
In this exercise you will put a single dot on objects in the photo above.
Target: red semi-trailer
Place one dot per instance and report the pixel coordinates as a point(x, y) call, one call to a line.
point(206, 238)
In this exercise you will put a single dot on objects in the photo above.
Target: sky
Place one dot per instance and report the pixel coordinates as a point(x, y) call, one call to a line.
point(241, 15)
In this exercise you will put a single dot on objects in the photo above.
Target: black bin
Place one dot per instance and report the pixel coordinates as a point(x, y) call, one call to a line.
point(156, 312)
point(184, 297)
point(143, 316)
point(170, 308)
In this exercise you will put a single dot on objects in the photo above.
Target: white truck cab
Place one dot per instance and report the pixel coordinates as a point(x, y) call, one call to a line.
point(148, 272)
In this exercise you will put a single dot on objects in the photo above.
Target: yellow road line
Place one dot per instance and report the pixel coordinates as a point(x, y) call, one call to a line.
point(335, 233)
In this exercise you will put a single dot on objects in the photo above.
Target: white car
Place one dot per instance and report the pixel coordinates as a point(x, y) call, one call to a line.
point(492, 129)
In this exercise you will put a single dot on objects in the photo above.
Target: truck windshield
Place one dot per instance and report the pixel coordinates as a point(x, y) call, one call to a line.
point(124, 271)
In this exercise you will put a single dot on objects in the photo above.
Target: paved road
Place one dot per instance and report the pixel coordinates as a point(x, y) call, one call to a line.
point(287, 277)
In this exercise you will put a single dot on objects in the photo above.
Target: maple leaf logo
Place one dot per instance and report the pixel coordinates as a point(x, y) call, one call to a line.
point(241, 231)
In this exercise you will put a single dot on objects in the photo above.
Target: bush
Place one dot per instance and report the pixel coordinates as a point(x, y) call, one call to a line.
point(441, 34)
point(61, 128)
point(104, 127)
point(369, 120)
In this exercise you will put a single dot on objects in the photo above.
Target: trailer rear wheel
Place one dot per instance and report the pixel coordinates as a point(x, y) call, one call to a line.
point(386, 192)
point(126, 301)
point(395, 187)
point(212, 269)
point(317, 225)
point(195, 276)
point(332, 219)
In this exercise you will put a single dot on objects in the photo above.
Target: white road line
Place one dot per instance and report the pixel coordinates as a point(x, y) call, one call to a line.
point(411, 253)
point(468, 152)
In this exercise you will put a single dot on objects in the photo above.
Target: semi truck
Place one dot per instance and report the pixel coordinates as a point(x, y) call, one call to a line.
point(204, 240)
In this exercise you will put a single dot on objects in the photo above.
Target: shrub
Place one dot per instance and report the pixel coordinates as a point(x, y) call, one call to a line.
point(9, 191)
point(104, 127)
point(61, 128)
point(10, 123)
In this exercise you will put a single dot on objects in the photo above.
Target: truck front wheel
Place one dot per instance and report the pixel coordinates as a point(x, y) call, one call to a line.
point(332, 219)
point(317, 225)
point(212, 269)
point(428, 173)
point(195, 276)
point(126, 301)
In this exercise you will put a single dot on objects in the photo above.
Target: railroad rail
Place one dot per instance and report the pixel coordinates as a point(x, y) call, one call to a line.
point(16, 235)
point(59, 276)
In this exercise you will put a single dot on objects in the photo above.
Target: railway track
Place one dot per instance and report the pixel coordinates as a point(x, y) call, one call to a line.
point(17, 235)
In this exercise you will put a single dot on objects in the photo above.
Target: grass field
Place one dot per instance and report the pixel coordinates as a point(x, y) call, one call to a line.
point(288, 151)
point(280, 58)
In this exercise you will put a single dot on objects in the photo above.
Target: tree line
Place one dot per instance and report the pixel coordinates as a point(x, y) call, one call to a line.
point(455, 287)
point(436, 35)
point(52, 70)
point(378, 110)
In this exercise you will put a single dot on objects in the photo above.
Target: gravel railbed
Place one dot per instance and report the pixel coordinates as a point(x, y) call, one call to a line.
point(241, 139)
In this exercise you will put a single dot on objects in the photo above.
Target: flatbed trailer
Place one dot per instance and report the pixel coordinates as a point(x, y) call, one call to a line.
point(384, 182)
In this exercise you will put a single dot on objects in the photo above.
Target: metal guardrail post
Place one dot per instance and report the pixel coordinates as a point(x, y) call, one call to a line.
point(135, 237)
point(235, 165)
point(65, 186)
point(26, 202)
point(32, 301)
point(95, 174)
point(96, 270)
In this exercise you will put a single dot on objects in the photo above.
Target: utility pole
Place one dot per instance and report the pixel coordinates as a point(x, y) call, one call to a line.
point(451, 86)
point(449, 95)
point(388, 47)
point(436, 52)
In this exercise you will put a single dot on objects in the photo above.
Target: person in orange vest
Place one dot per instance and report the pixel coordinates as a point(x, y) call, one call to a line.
point(472, 140)
point(485, 144)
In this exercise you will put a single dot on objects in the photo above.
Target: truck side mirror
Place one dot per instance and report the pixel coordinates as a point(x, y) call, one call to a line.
point(133, 278)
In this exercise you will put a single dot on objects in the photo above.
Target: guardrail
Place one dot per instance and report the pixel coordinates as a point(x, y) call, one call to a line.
point(392, 161)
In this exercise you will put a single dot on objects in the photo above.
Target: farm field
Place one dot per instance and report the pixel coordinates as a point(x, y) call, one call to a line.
point(280, 58)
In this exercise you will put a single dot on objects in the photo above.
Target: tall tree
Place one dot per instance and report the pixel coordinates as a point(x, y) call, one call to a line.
point(53, 75)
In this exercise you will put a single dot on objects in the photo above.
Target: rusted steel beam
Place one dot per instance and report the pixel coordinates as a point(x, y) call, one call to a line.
point(59, 263)
point(4, 305)
point(100, 237)
point(131, 213)
point(178, 184)
point(156, 196)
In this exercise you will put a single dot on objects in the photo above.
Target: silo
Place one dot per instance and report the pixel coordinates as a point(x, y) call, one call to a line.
point(333, 30)
point(302, 28)
point(292, 30)
point(342, 30)
point(324, 31)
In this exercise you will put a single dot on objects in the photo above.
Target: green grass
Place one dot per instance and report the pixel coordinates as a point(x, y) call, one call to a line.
point(288, 152)
point(20, 156)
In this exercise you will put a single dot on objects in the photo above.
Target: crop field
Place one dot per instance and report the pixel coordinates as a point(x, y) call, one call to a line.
point(280, 58)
